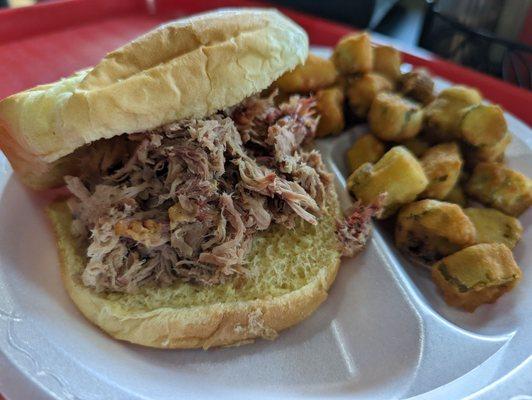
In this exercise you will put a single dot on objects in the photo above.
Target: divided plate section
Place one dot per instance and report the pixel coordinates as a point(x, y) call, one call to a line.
point(383, 333)
point(454, 342)
point(365, 339)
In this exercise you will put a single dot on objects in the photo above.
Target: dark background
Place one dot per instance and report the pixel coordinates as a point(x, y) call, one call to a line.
point(491, 36)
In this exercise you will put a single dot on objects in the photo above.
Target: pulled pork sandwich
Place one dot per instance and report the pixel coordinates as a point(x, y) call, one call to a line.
point(199, 216)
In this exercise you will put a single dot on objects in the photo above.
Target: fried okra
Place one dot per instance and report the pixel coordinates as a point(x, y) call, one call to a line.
point(431, 229)
point(361, 92)
point(442, 165)
point(398, 174)
point(493, 153)
point(387, 62)
point(317, 73)
point(367, 148)
point(418, 85)
point(416, 145)
point(457, 196)
point(500, 187)
point(493, 226)
point(476, 275)
point(330, 107)
point(443, 116)
point(353, 54)
point(460, 94)
point(392, 117)
point(483, 125)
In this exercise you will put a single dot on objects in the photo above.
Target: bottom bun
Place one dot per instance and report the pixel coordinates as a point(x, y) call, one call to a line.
point(290, 273)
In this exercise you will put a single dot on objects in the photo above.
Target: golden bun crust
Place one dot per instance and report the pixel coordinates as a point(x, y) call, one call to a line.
point(187, 68)
point(222, 323)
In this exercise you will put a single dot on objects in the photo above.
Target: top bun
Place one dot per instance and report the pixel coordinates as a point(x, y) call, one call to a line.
point(191, 67)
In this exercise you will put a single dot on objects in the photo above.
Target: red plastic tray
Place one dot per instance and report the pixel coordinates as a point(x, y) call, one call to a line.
point(42, 43)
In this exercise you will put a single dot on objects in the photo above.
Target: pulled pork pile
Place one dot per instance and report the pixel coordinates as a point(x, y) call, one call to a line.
point(187, 200)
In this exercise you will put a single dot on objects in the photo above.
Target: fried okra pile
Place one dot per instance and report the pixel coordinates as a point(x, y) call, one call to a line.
point(433, 161)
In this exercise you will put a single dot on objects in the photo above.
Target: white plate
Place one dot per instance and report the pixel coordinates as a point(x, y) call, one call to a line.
point(383, 333)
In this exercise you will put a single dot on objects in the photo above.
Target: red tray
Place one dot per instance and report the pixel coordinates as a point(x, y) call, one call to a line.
point(45, 42)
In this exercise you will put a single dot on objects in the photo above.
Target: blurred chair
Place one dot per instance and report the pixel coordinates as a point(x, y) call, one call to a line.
point(359, 13)
point(481, 34)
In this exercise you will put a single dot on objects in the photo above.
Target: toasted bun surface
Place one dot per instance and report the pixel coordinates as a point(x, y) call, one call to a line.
point(187, 68)
point(290, 273)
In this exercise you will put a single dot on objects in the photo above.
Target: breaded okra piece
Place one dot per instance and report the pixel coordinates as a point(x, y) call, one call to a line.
point(431, 229)
point(476, 275)
point(416, 145)
point(398, 174)
point(442, 117)
point(353, 54)
point(317, 73)
point(497, 186)
point(361, 91)
point(394, 118)
point(418, 85)
point(330, 107)
point(442, 165)
point(387, 62)
point(493, 226)
point(457, 196)
point(483, 125)
point(367, 148)
point(492, 153)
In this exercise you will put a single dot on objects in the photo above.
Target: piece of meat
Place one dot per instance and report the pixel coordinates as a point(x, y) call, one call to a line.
point(291, 130)
point(195, 158)
point(211, 135)
point(255, 213)
point(186, 199)
point(149, 232)
point(296, 197)
point(354, 230)
point(232, 251)
point(313, 159)
point(181, 212)
point(256, 178)
point(253, 117)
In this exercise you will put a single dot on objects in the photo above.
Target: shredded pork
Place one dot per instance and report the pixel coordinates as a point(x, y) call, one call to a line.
point(187, 201)
point(189, 197)
point(354, 230)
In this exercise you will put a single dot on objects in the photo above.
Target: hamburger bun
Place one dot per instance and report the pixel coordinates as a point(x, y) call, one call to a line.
point(290, 270)
point(187, 68)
